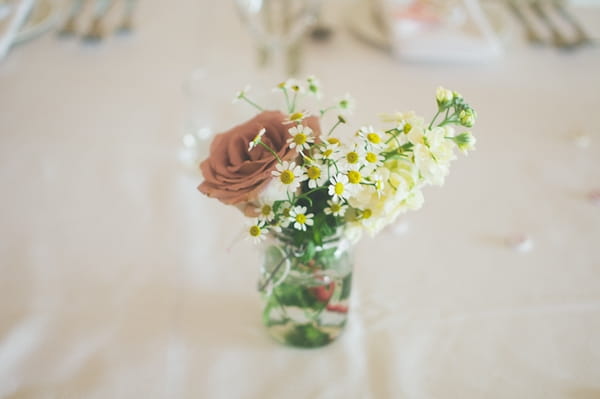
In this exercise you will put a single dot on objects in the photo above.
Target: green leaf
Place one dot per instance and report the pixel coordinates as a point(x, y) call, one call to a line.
point(307, 336)
point(295, 295)
point(346, 287)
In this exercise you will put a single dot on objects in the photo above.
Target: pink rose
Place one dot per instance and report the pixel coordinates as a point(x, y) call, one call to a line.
point(236, 176)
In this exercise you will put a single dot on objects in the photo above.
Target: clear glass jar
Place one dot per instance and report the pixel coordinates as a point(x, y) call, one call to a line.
point(305, 290)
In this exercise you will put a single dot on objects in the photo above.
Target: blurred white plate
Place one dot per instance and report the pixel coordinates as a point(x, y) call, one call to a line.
point(363, 23)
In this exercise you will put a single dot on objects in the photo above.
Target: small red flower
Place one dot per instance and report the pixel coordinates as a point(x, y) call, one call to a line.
point(323, 293)
point(337, 308)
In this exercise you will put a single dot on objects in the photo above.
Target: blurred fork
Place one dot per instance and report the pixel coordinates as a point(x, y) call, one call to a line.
point(556, 37)
point(581, 37)
point(126, 25)
point(530, 33)
point(96, 31)
point(70, 26)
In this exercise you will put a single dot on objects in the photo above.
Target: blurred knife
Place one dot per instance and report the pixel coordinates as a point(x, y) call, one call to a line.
point(15, 23)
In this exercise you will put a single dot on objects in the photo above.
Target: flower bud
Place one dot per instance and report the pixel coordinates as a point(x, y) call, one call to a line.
point(443, 97)
point(465, 141)
point(467, 117)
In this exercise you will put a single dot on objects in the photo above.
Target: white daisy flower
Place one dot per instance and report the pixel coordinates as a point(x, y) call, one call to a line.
point(256, 139)
point(241, 94)
point(373, 160)
point(285, 220)
point(290, 175)
point(317, 175)
point(354, 176)
point(354, 158)
point(314, 86)
point(296, 117)
point(292, 85)
point(340, 188)
point(300, 218)
point(345, 104)
point(330, 150)
point(335, 208)
point(265, 212)
point(302, 137)
point(373, 139)
point(257, 231)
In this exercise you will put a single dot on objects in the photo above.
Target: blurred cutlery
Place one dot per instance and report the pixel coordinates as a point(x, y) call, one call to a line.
point(15, 23)
point(582, 37)
point(530, 33)
point(126, 25)
point(96, 32)
point(70, 26)
point(557, 38)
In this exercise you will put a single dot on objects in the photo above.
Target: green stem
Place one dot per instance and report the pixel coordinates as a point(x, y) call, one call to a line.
point(448, 121)
point(287, 101)
point(310, 192)
point(271, 151)
point(285, 313)
point(293, 107)
point(334, 126)
point(394, 133)
point(252, 103)
point(434, 118)
point(323, 111)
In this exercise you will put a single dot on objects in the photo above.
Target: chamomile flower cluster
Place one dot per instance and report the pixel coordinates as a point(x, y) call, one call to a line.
point(363, 181)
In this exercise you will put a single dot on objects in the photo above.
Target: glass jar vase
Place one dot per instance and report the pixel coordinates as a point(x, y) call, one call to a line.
point(305, 290)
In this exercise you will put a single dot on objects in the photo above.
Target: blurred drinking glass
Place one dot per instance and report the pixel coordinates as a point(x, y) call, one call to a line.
point(278, 26)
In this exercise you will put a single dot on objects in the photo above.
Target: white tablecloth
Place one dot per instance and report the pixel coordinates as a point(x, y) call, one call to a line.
point(119, 280)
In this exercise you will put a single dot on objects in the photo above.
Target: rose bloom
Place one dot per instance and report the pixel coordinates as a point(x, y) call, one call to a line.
point(236, 176)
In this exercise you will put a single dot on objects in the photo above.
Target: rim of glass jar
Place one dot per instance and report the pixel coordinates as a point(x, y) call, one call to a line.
point(332, 241)
point(337, 240)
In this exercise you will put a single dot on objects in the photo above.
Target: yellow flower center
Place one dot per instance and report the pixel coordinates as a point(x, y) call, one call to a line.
point(352, 157)
point(335, 207)
point(287, 177)
point(296, 116)
point(266, 210)
point(300, 139)
point(371, 157)
point(333, 140)
point(286, 212)
point(296, 88)
point(254, 231)
point(374, 138)
point(339, 188)
point(301, 218)
point(313, 172)
point(354, 176)
point(407, 128)
point(367, 213)
point(327, 153)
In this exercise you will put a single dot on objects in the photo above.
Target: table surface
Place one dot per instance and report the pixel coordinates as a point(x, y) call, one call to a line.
point(119, 280)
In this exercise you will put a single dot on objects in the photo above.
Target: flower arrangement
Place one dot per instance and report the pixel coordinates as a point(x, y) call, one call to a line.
point(313, 194)
point(304, 184)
